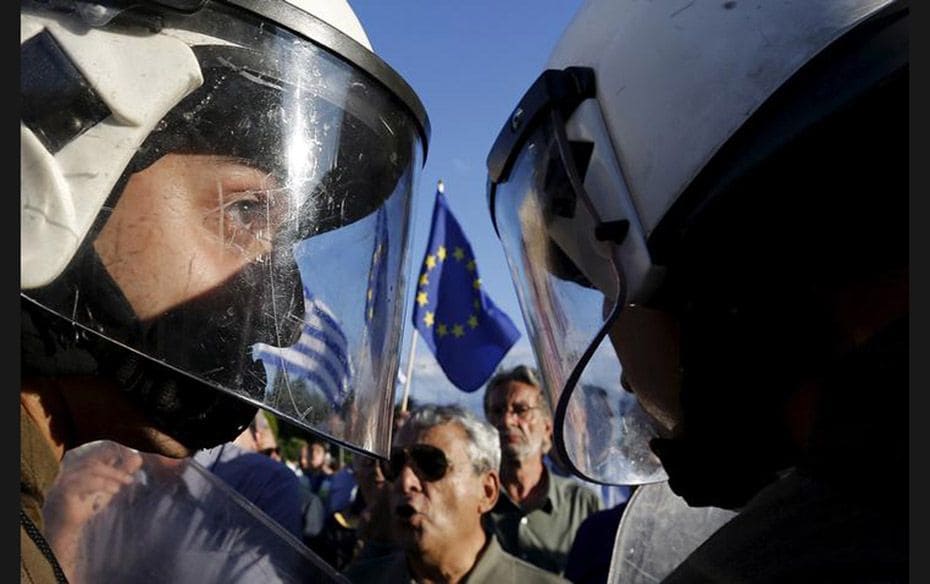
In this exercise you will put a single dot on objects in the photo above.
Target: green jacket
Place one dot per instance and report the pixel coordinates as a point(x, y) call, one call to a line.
point(544, 536)
point(494, 566)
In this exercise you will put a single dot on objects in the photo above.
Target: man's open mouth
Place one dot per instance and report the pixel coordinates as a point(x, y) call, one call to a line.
point(405, 511)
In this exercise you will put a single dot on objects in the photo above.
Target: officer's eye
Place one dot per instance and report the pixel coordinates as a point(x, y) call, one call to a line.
point(249, 211)
point(245, 221)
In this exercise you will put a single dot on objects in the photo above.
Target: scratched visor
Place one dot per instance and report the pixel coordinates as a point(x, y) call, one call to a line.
point(257, 241)
point(571, 283)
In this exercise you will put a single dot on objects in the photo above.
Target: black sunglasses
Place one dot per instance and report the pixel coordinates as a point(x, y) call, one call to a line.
point(428, 462)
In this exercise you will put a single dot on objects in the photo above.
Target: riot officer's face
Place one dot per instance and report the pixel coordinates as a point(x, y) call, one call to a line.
point(183, 226)
point(647, 342)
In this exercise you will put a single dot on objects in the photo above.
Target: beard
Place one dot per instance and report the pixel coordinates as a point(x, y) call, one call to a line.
point(524, 448)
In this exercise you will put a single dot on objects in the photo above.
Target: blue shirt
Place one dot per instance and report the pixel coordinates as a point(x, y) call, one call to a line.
point(341, 491)
point(267, 483)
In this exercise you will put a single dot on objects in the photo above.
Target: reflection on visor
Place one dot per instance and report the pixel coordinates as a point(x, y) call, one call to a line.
point(248, 110)
point(318, 364)
point(569, 295)
point(174, 521)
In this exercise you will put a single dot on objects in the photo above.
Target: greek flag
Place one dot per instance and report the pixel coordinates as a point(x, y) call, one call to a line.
point(319, 358)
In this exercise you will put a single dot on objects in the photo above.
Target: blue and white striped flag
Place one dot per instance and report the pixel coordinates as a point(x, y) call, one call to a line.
point(319, 358)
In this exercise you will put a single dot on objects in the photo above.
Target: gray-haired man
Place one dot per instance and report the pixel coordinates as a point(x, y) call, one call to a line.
point(444, 475)
point(539, 512)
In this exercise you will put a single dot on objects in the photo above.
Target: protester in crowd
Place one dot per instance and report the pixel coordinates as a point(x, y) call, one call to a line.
point(290, 453)
point(443, 474)
point(337, 540)
point(369, 514)
point(316, 463)
point(371, 511)
point(539, 511)
point(588, 560)
point(340, 487)
point(266, 482)
point(312, 509)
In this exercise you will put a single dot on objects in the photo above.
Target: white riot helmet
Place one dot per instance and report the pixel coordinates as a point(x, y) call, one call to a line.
point(216, 196)
point(647, 117)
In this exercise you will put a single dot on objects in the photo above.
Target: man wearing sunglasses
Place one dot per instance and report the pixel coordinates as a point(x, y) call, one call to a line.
point(539, 512)
point(443, 472)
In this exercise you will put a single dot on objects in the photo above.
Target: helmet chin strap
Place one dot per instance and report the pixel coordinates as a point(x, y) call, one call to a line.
point(189, 411)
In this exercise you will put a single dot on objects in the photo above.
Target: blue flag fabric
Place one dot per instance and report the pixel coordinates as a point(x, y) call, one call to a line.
point(377, 302)
point(319, 358)
point(467, 333)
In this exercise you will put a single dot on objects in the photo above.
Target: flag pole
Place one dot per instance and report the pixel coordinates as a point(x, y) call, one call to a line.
point(440, 188)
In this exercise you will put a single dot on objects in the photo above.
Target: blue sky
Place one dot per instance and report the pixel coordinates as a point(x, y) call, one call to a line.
point(469, 62)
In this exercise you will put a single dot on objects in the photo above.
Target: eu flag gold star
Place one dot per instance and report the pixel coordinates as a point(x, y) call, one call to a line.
point(422, 298)
point(473, 321)
point(442, 330)
point(428, 318)
point(459, 254)
point(477, 283)
point(430, 262)
point(424, 279)
point(458, 331)
point(470, 266)
point(441, 254)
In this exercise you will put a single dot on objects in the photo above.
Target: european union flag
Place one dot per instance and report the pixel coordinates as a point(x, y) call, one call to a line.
point(467, 333)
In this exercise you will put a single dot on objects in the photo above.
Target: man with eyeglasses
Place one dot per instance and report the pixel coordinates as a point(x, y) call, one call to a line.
point(444, 477)
point(539, 512)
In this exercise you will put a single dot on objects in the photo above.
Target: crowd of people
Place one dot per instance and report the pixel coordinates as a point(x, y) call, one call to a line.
point(534, 512)
point(462, 493)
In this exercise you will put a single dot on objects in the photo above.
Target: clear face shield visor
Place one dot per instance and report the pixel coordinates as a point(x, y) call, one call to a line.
point(120, 516)
point(568, 264)
point(257, 241)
